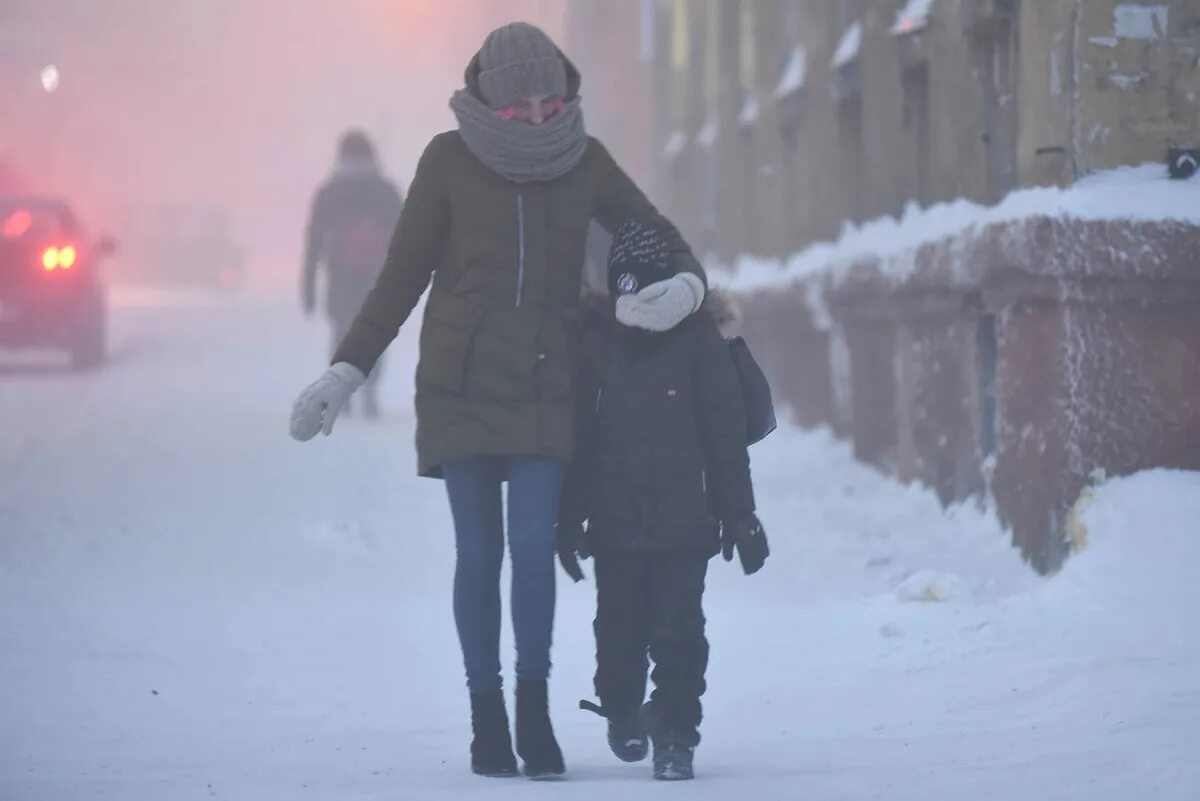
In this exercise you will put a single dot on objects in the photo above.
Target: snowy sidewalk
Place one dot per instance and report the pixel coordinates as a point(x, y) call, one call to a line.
point(196, 607)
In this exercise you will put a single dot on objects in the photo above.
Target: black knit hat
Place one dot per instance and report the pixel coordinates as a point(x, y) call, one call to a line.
point(637, 258)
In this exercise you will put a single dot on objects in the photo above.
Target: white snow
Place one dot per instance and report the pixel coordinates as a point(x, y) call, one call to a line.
point(793, 76)
point(750, 110)
point(1133, 193)
point(709, 133)
point(930, 586)
point(1135, 21)
point(675, 145)
point(913, 17)
point(195, 607)
point(848, 46)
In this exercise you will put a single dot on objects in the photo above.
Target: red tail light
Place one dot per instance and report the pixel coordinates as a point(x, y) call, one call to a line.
point(63, 258)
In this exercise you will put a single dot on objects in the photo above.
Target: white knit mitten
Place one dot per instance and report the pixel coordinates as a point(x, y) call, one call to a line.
point(318, 405)
point(663, 305)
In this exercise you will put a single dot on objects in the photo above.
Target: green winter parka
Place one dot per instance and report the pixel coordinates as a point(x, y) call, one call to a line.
point(505, 263)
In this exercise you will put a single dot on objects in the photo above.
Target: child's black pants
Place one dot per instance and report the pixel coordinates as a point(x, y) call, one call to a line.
point(649, 603)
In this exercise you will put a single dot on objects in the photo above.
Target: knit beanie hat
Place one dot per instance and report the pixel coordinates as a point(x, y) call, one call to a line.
point(519, 61)
point(637, 259)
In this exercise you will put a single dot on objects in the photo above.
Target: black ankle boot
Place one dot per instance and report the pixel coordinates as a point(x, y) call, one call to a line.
point(673, 757)
point(674, 746)
point(627, 737)
point(627, 733)
point(535, 736)
point(491, 748)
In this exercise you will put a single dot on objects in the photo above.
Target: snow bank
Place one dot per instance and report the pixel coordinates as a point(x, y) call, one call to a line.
point(930, 586)
point(1136, 194)
point(1140, 543)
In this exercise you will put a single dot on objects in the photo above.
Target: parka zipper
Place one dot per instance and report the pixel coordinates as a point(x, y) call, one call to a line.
point(520, 247)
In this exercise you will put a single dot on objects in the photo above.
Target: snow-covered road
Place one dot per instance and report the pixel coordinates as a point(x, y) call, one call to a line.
point(193, 606)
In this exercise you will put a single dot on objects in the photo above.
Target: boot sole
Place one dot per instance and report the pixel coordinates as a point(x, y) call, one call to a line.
point(674, 777)
point(632, 756)
point(496, 774)
point(545, 777)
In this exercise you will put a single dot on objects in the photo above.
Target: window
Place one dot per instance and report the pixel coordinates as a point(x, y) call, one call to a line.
point(994, 49)
point(987, 349)
point(917, 124)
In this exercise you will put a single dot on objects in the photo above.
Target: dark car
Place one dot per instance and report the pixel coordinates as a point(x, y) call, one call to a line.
point(51, 292)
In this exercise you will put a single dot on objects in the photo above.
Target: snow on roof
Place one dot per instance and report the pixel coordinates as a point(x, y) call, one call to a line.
point(1140, 21)
point(792, 79)
point(913, 17)
point(710, 133)
point(676, 143)
point(1137, 194)
point(848, 47)
point(750, 110)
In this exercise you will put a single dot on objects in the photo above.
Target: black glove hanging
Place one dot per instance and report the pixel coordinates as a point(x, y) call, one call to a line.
point(569, 543)
point(747, 536)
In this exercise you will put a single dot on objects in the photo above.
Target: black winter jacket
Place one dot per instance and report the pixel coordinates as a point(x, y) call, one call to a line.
point(661, 435)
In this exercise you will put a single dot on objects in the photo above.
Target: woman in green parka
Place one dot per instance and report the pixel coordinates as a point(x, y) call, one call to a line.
point(495, 227)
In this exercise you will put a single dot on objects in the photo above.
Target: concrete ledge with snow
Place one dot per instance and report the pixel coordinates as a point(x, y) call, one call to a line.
point(1016, 350)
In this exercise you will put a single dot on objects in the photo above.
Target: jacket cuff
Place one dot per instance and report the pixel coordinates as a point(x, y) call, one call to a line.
point(349, 374)
point(696, 284)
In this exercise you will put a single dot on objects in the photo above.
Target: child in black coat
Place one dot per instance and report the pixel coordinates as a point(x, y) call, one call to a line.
point(662, 480)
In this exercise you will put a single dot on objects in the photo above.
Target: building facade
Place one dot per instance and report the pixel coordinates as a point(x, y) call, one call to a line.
point(776, 121)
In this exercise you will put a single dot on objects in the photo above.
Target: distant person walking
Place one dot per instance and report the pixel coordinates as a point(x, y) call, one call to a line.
point(352, 219)
point(497, 220)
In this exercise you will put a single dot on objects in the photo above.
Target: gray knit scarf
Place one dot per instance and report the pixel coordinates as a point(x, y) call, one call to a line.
point(519, 152)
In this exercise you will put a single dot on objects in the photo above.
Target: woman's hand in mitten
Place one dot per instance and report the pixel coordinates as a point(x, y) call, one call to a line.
point(318, 405)
point(747, 535)
point(568, 541)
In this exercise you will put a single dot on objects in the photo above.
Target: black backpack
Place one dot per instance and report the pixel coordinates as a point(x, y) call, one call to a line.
point(756, 392)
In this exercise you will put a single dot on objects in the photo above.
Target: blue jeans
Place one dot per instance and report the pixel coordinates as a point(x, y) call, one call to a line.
point(534, 487)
